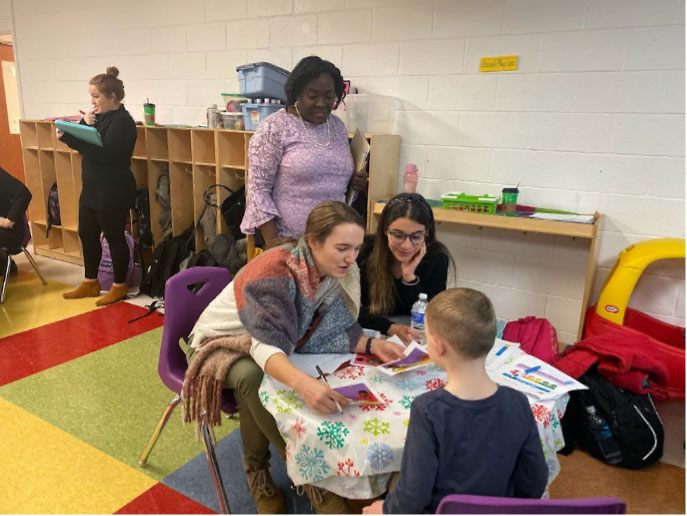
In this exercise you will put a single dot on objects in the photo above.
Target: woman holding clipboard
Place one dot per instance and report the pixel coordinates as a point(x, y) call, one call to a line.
point(108, 186)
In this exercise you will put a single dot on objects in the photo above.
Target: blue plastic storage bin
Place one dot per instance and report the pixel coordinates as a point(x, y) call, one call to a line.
point(253, 114)
point(262, 80)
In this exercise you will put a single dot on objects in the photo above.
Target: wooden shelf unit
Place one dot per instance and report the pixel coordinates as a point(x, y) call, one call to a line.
point(195, 158)
point(525, 225)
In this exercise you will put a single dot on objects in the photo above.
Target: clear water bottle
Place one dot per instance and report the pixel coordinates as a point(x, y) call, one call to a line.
point(417, 315)
point(603, 436)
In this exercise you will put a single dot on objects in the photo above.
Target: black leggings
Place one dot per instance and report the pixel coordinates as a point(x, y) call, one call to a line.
point(111, 223)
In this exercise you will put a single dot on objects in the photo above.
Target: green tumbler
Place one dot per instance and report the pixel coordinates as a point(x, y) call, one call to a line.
point(509, 201)
point(149, 113)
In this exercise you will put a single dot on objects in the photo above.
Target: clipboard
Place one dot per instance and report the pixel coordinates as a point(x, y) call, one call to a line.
point(86, 133)
point(360, 149)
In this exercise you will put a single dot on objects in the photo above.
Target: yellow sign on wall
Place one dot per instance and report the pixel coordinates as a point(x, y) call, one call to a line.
point(497, 64)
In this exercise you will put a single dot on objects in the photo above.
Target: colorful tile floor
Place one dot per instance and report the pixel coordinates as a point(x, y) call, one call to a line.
point(79, 398)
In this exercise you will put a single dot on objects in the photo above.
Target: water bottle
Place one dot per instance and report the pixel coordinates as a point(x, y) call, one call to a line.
point(603, 436)
point(417, 315)
point(410, 178)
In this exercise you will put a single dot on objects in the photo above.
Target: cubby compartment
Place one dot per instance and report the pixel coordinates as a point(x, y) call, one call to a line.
point(76, 173)
point(55, 238)
point(46, 164)
point(27, 130)
point(155, 168)
point(203, 146)
point(65, 188)
point(181, 196)
point(45, 131)
point(38, 236)
point(34, 182)
point(234, 179)
point(231, 149)
point(179, 145)
point(140, 147)
point(203, 177)
point(139, 168)
point(71, 242)
point(156, 143)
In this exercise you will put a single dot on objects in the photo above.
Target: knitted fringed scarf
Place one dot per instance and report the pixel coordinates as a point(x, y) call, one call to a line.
point(201, 393)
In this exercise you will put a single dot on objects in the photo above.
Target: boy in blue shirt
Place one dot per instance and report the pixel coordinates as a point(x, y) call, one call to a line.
point(472, 436)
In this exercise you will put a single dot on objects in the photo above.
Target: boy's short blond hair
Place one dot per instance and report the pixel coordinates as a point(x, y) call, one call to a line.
point(464, 318)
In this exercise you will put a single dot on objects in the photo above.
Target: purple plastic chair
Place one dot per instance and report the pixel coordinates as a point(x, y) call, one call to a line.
point(470, 504)
point(183, 306)
point(11, 252)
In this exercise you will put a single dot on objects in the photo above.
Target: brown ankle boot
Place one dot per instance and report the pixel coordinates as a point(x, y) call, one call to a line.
point(267, 496)
point(116, 293)
point(86, 289)
point(326, 502)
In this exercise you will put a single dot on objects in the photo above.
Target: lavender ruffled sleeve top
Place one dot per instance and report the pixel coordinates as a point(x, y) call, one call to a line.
point(289, 174)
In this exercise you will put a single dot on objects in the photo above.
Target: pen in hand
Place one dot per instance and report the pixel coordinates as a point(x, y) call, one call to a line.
point(338, 406)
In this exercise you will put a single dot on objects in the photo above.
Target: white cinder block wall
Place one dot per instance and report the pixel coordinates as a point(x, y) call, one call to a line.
point(593, 119)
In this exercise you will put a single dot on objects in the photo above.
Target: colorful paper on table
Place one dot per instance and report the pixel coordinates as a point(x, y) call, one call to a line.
point(500, 353)
point(415, 356)
point(359, 393)
point(364, 359)
point(534, 377)
point(86, 133)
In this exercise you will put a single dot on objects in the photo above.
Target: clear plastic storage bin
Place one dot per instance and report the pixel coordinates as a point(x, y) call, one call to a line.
point(262, 80)
point(253, 114)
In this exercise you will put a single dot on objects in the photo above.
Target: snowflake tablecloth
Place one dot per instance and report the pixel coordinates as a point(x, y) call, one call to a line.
point(353, 454)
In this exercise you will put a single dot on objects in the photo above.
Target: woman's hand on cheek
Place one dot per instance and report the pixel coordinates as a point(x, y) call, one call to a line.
point(405, 333)
point(386, 351)
point(408, 269)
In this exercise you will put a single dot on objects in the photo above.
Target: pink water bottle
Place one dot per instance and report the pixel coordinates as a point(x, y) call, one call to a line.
point(410, 178)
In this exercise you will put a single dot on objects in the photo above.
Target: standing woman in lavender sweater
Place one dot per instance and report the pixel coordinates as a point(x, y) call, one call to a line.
point(300, 155)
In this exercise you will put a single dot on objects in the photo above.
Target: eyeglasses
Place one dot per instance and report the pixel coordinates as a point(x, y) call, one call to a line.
point(398, 237)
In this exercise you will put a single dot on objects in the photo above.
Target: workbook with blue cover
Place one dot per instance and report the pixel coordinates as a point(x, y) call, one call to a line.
point(87, 133)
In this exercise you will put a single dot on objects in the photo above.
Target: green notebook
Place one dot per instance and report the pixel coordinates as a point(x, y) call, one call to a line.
point(87, 133)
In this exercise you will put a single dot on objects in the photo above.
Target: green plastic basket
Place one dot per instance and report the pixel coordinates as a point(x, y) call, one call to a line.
point(485, 204)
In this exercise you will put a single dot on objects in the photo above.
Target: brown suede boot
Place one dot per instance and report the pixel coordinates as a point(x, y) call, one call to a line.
point(86, 289)
point(326, 502)
point(116, 293)
point(267, 496)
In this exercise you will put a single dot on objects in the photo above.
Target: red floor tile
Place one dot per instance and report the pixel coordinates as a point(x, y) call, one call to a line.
point(35, 350)
point(161, 499)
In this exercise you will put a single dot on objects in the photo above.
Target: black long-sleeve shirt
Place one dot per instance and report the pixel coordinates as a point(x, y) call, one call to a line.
point(432, 272)
point(14, 201)
point(486, 447)
point(107, 181)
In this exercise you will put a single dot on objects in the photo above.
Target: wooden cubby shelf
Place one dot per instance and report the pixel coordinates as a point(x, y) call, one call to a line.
point(194, 158)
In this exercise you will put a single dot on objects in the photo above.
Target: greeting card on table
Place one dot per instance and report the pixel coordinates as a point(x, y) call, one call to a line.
point(535, 377)
point(415, 356)
point(359, 393)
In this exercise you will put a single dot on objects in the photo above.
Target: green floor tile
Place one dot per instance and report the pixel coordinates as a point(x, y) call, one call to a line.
point(112, 399)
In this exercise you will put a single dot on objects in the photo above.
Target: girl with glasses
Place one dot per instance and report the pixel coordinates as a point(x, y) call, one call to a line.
point(402, 260)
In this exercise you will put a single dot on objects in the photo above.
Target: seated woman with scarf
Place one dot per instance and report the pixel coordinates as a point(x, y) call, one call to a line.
point(299, 297)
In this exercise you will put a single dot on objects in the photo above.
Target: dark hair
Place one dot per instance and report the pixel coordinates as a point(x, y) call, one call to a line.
point(108, 84)
point(416, 208)
point(308, 69)
point(465, 319)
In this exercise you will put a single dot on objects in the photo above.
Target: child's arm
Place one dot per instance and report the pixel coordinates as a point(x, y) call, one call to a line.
point(413, 492)
point(531, 473)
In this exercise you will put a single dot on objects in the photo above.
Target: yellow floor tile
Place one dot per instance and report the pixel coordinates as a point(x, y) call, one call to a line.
point(30, 304)
point(45, 470)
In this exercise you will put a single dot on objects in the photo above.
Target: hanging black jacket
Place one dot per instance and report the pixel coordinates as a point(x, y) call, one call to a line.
point(107, 181)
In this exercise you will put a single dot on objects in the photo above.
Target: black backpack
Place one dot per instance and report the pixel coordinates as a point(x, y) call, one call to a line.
point(636, 428)
point(167, 257)
point(52, 210)
point(142, 219)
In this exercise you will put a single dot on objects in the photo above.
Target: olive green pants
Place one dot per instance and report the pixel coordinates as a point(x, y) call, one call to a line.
point(257, 426)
